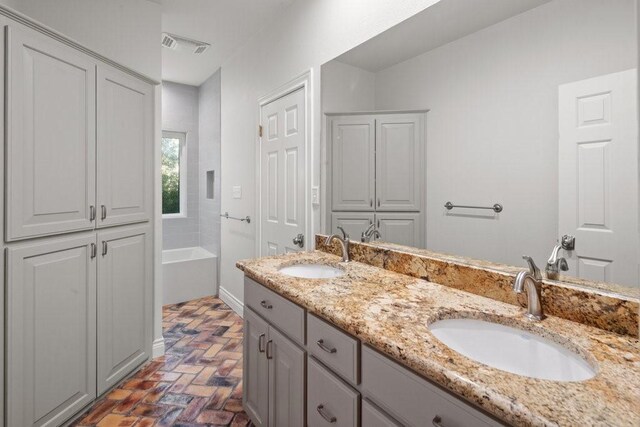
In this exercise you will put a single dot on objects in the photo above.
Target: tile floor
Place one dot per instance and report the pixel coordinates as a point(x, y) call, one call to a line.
point(198, 382)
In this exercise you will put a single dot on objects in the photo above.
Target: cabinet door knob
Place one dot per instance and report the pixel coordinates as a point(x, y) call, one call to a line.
point(266, 305)
point(105, 248)
point(261, 343)
point(326, 415)
point(323, 346)
point(92, 213)
point(103, 212)
point(94, 250)
point(437, 421)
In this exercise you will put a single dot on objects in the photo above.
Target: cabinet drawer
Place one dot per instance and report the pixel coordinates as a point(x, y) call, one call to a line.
point(278, 311)
point(330, 401)
point(411, 399)
point(334, 348)
point(374, 417)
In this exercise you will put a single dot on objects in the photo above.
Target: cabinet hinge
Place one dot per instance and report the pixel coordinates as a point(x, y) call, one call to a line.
point(260, 131)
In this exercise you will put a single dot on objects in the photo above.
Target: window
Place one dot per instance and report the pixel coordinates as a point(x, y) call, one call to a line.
point(174, 174)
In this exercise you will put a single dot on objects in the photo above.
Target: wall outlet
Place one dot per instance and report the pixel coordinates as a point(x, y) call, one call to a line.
point(237, 192)
point(315, 196)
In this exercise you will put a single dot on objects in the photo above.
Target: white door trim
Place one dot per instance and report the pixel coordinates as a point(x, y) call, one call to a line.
point(303, 81)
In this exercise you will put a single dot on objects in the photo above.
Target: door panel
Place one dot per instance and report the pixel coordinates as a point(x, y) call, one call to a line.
point(50, 136)
point(51, 336)
point(399, 148)
point(598, 177)
point(282, 166)
point(124, 303)
point(286, 381)
point(353, 223)
point(353, 163)
point(125, 148)
point(401, 228)
point(255, 391)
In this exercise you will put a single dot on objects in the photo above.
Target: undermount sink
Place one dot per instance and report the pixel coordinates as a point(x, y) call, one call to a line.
point(512, 350)
point(312, 271)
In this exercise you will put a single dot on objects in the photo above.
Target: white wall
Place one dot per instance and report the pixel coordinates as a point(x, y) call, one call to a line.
point(307, 34)
point(492, 129)
point(346, 88)
point(180, 114)
point(209, 108)
point(126, 31)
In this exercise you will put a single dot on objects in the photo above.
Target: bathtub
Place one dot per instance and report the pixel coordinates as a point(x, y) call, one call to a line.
point(188, 273)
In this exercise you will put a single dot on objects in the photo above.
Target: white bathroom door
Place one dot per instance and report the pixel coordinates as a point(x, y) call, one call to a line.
point(282, 174)
point(598, 177)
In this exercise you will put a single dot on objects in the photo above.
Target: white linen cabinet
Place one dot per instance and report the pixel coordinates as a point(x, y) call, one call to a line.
point(377, 174)
point(78, 229)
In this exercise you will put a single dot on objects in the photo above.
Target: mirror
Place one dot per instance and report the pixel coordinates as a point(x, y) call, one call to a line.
point(492, 129)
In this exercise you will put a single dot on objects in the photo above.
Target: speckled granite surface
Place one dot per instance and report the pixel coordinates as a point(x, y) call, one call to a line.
point(606, 308)
point(391, 312)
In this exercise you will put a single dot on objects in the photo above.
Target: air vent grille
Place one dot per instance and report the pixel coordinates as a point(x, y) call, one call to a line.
point(180, 43)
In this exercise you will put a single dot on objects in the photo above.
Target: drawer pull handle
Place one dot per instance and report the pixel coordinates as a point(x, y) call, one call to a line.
point(269, 349)
point(325, 348)
point(266, 305)
point(327, 416)
point(261, 343)
point(103, 212)
point(436, 421)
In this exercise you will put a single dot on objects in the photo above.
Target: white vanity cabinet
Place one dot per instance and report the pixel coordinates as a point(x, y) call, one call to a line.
point(125, 148)
point(347, 384)
point(51, 333)
point(274, 363)
point(124, 302)
point(353, 223)
point(401, 228)
point(50, 136)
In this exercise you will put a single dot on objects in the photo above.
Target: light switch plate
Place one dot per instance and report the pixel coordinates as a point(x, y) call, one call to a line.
point(237, 192)
point(315, 195)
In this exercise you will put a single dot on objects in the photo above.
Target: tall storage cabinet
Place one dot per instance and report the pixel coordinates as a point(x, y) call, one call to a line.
point(78, 230)
point(377, 174)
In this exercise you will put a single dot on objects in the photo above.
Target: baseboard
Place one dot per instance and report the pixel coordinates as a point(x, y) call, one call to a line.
point(233, 302)
point(158, 348)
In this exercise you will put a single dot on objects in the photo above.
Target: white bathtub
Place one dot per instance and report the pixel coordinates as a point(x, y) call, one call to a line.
point(188, 273)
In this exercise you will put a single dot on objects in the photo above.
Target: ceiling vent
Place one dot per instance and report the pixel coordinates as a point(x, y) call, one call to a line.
point(184, 44)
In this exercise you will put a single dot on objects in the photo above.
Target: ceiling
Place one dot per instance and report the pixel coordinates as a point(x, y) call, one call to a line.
point(225, 24)
point(442, 23)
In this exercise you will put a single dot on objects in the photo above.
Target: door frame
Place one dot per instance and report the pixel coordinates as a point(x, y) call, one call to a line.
point(303, 81)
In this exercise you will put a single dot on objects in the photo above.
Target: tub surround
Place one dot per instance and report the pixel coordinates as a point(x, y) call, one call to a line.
point(609, 307)
point(391, 312)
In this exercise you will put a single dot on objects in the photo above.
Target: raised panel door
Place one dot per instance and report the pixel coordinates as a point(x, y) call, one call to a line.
point(353, 163)
point(50, 144)
point(124, 303)
point(51, 334)
point(255, 381)
point(400, 228)
point(353, 223)
point(286, 381)
point(399, 162)
point(125, 148)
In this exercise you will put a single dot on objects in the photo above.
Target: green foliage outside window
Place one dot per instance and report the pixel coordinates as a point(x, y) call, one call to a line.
point(170, 175)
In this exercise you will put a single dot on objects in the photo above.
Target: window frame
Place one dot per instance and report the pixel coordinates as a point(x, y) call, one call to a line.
point(181, 136)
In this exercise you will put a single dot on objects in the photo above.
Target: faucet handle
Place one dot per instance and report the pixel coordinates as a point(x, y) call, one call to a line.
point(533, 268)
point(344, 233)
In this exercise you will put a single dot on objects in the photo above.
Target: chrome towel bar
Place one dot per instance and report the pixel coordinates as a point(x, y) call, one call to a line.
point(496, 207)
point(246, 218)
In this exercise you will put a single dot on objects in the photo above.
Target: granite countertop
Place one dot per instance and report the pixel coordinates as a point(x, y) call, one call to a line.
point(391, 312)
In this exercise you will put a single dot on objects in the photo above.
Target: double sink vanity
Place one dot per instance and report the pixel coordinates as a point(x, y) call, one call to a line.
point(380, 341)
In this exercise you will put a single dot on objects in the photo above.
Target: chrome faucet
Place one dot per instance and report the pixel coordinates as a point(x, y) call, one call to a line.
point(344, 242)
point(531, 282)
point(555, 264)
point(370, 232)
